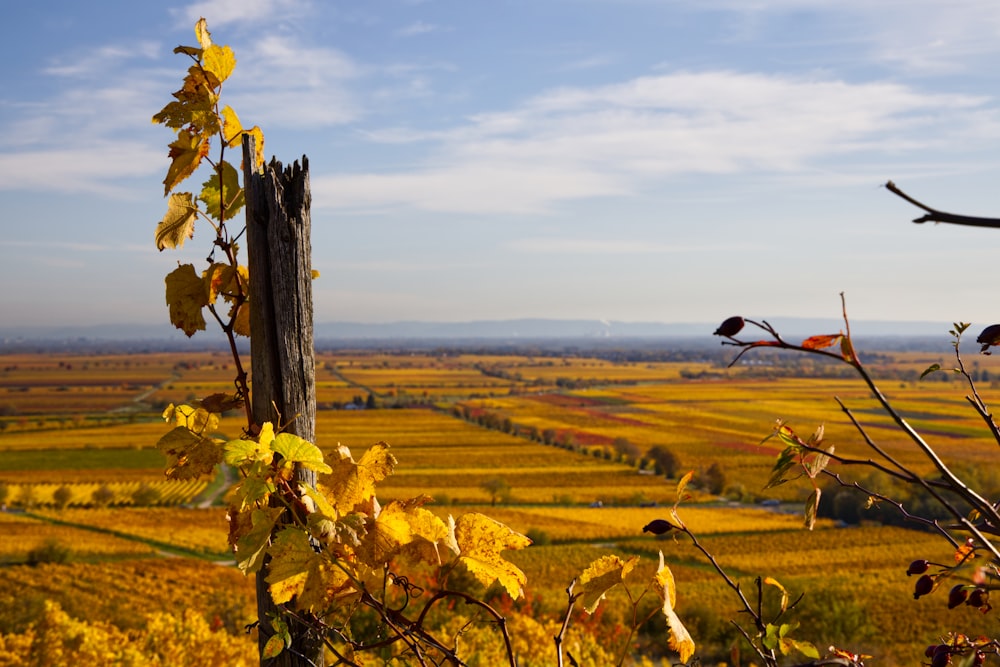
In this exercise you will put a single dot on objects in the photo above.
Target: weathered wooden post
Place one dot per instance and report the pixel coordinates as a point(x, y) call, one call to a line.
point(282, 370)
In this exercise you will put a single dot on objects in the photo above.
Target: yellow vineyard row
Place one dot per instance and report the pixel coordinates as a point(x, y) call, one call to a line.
point(89, 494)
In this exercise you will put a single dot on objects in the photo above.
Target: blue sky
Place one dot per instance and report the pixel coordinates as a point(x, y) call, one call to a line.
point(636, 160)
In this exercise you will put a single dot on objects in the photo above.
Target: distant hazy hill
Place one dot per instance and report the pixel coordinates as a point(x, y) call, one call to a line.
point(507, 330)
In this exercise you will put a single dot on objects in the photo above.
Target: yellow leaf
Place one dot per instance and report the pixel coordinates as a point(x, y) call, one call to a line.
point(326, 584)
point(389, 534)
point(480, 540)
point(185, 298)
point(195, 419)
point(784, 593)
point(201, 32)
point(189, 454)
point(292, 557)
point(225, 197)
point(681, 485)
point(194, 104)
point(232, 129)
point(219, 60)
point(315, 274)
point(258, 136)
point(241, 324)
point(178, 224)
point(217, 278)
point(679, 639)
point(251, 536)
point(296, 570)
point(185, 154)
point(603, 575)
point(350, 484)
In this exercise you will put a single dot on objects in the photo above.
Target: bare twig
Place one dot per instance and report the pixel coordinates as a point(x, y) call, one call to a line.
point(934, 215)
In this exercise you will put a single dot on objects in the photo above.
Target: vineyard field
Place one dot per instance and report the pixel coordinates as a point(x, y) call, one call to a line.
point(546, 426)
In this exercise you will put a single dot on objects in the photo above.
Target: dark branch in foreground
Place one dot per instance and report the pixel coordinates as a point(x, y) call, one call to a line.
point(934, 215)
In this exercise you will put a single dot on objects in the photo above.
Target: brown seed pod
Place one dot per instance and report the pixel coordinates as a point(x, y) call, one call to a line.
point(658, 527)
point(730, 327)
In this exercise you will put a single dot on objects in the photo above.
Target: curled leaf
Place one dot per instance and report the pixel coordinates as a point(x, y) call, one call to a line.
point(601, 576)
point(679, 639)
point(770, 581)
point(178, 223)
point(930, 369)
point(820, 342)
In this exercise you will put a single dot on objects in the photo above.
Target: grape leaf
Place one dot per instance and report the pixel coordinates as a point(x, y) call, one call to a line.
point(389, 534)
point(232, 128)
point(202, 33)
point(258, 136)
point(601, 576)
point(186, 153)
point(348, 484)
point(325, 584)
point(679, 639)
point(244, 452)
point(178, 223)
point(220, 402)
point(219, 60)
point(198, 420)
point(189, 454)
point(256, 488)
point(228, 194)
point(292, 559)
point(480, 540)
point(294, 449)
point(241, 323)
point(186, 297)
point(250, 546)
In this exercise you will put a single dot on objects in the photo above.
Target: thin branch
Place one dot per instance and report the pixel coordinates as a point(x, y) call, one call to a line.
point(559, 638)
point(934, 215)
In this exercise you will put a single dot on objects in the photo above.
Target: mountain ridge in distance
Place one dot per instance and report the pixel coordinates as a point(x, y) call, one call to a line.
point(506, 329)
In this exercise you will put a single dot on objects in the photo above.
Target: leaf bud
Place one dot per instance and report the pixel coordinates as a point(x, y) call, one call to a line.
point(924, 585)
point(989, 336)
point(941, 658)
point(730, 327)
point(958, 595)
point(979, 598)
point(658, 527)
point(918, 566)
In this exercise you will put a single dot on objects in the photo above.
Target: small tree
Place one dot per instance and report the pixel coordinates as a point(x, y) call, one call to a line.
point(146, 495)
point(665, 462)
point(103, 496)
point(628, 451)
point(713, 479)
point(62, 496)
point(497, 488)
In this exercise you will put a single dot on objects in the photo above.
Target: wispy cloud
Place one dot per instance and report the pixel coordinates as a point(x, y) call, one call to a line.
point(419, 28)
point(225, 12)
point(571, 246)
point(576, 143)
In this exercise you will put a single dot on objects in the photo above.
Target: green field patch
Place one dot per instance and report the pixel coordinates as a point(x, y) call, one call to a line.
point(80, 459)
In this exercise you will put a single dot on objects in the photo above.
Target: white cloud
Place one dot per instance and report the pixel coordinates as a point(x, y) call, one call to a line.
point(98, 167)
point(918, 36)
point(575, 143)
point(418, 28)
point(570, 246)
point(291, 85)
point(224, 12)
